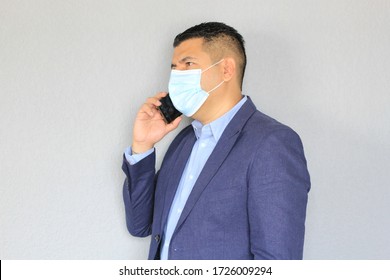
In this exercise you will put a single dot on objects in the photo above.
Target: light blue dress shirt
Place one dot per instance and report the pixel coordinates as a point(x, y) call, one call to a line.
point(207, 138)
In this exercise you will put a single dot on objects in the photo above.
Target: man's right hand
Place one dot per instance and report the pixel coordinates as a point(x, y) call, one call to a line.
point(149, 126)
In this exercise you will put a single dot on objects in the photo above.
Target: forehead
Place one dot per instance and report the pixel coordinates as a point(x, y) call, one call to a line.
point(190, 48)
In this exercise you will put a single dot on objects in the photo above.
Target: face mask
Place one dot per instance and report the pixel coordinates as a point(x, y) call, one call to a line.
point(185, 90)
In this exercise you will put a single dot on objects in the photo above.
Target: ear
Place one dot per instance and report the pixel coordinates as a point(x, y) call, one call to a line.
point(229, 68)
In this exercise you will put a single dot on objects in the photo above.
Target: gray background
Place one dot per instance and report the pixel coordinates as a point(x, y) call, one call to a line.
point(73, 74)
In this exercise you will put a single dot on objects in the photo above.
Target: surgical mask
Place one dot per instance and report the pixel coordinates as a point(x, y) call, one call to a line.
point(186, 92)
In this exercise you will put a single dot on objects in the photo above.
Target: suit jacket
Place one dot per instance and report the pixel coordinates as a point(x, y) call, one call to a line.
point(249, 201)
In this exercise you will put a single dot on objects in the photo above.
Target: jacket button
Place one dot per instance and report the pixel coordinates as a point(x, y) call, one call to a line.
point(157, 238)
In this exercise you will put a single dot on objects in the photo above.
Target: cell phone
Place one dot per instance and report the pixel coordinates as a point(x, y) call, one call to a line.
point(167, 110)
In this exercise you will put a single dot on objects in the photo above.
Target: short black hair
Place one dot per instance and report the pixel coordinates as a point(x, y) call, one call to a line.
point(217, 37)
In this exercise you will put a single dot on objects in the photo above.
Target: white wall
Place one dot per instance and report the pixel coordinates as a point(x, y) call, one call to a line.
point(73, 73)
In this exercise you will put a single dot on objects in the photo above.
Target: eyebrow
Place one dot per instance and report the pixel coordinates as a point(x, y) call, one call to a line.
point(184, 60)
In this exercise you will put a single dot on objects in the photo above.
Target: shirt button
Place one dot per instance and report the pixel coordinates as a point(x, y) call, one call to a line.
point(191, 177)
point(203, 145)
point(157, 238)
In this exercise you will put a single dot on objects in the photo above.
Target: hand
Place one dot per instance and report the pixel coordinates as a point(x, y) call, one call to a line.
point(149, 126)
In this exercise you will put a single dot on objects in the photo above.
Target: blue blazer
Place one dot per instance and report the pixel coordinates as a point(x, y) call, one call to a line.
point(249, 201)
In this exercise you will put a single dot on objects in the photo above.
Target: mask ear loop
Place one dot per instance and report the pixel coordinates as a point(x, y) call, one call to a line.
point(213, 65)
point(216, 87)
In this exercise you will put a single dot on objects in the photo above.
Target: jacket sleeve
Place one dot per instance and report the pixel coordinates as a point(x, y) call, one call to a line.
point(138, 195)
point(278, 185)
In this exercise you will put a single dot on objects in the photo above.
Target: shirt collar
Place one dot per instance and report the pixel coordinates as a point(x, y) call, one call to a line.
point(218, 126)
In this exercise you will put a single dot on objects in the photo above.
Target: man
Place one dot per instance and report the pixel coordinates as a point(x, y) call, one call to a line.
point(234, 184)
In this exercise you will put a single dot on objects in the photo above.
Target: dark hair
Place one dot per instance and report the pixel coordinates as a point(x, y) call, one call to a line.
point(218, 38)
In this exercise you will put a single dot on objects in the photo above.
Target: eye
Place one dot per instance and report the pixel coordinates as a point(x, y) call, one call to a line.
point(189, 63)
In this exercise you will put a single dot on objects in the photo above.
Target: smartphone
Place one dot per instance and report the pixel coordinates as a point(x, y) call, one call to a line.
point(167, 110)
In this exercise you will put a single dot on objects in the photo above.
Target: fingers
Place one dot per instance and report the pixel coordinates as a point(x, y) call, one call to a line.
point(149, 109)
point(151, 103)
point(173, 125)
point(161, 95)
point(155, 100)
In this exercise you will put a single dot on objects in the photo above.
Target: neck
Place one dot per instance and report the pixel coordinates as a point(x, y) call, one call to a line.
point(217, 106)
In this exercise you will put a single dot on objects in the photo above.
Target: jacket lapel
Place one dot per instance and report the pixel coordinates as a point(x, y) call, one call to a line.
point(217, 157)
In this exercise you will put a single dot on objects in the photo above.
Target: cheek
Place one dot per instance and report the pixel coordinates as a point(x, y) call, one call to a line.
point(208, 82)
